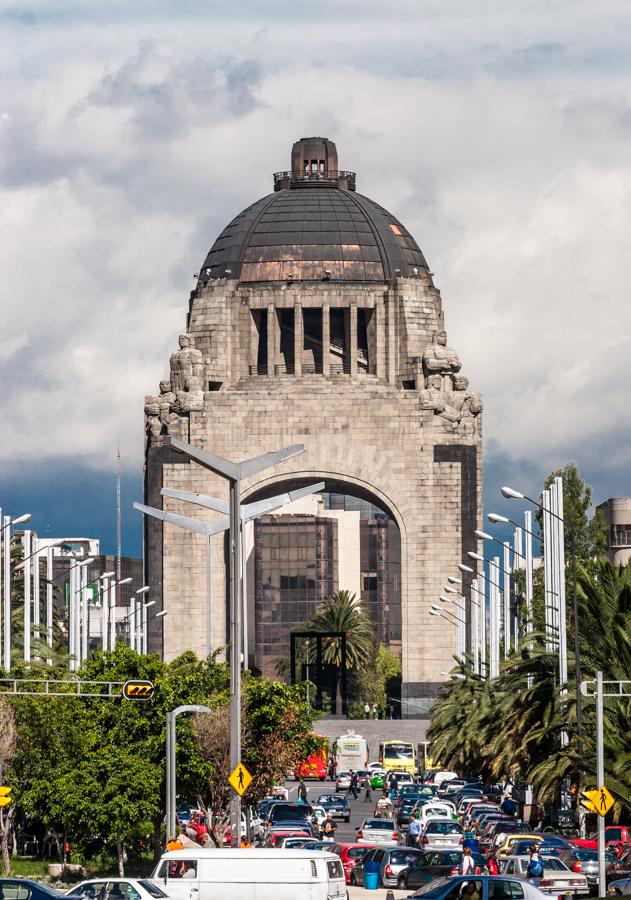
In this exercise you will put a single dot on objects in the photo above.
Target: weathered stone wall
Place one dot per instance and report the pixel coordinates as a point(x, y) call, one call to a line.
point(415, 451)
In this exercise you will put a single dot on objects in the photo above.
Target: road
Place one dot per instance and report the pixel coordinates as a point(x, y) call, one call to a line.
point(346, 832)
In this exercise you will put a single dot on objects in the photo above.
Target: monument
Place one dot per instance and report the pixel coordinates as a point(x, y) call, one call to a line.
point(315, 320)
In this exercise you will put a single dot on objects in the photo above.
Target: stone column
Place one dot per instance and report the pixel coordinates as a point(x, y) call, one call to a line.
point(298, 338)
point(326, 339)
point(271, 339)
point(391, 313)
point(380, 347)
point(352, 339)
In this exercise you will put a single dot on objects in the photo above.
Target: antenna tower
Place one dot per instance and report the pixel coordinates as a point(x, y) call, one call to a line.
point(118, 512)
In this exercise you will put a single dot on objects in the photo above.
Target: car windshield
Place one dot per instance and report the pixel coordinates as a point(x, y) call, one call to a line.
point(554, 863)
point(443, 828)
point(358, 852)
point(152, 889)
point(404, 857)
point(434, 888)
point(376, 824)
point(331, 798)
point(399, 751)
point(586, 855)
point(286, 812)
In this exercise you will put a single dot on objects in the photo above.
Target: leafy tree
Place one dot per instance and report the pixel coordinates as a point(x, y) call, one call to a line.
point(8, 740)
point(380, 680)
point(590, 534)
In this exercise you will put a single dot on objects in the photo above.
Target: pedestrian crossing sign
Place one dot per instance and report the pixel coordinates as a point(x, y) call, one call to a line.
point(240, 779)
point(604, 801)
point(589, 800)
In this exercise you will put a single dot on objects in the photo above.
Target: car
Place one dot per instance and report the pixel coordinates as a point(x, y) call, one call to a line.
point(377, 779)
point(375, 767)
point(26, 889)
point(557, 878)
point(363, 776)
point(391, 861)
point(505, 849)
point(487, 887)
point(183, 815)
point(619, 886)
point(437, 864)
point(443, 775)
point(586, 861)
point(402, 777)
point(452, 786)
point(404, 811)
point(115, 889)
point(294, 843)
point(289, 812)
point(197, 827)
point(275, 838)
point(336, 804)
point(442, 834)
point(377, 831)
point(319, 815)
point(343, 781)
point(436, 811)
point(350, 855)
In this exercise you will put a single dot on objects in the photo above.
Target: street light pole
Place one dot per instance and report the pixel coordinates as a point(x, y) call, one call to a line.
point(171, 792)
point(234, 473)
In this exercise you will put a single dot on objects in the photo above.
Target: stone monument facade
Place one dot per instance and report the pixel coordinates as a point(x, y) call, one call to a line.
point(315, 320)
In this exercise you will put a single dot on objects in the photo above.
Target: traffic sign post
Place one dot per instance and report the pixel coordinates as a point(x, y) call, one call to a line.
point(600, 801)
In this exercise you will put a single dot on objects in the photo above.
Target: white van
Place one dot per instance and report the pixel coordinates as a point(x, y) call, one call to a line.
point(443, 775)
point(250, 874)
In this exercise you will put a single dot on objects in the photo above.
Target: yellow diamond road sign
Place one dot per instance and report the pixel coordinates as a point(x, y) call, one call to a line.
point(240, 779)
point(5, 799)
point(589, 801)
point(603, 801)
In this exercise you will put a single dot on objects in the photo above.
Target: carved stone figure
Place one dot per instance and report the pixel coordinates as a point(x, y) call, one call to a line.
point(167, 401)
point(461, 403)
point(191, 399)
point(187, 362)
point(433, 397)
point(439, 358)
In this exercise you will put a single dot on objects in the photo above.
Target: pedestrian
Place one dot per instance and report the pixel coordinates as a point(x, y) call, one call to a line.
point(535, 866)
point(492, 864)
point(328, 828)
point(302, 792)
point(467, 866)
point(368, 794)
point(414, 831)
point(367, 710)
point(394, 787)
point(354, 784)
point(374, 710)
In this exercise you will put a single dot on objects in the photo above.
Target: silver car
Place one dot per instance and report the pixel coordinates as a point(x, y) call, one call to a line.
point(557, 878)
point(377, 831)
point(442, 834)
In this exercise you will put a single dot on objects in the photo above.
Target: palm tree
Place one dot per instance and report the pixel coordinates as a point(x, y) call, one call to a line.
point(342, 612)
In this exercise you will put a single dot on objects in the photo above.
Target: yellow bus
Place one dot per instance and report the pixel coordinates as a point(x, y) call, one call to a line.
point(398, 755)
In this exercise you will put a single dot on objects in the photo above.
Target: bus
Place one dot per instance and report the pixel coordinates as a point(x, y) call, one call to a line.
point(398, 755)
point(314, 766)
point(350, 751)
point(425, 759)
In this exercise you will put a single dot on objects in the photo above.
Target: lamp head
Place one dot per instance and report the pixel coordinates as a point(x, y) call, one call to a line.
point(21, 520)
point(148, 604)
point(124, 581)
point(86, 562)
point(484, 535)
point(511, 494)
point(144, 589)
point(464, 568)
point(162, 613)
point(106, 575)
point(445, 599)
point(475, 556)
point(450, 590)
point(452, 580)
point(497, 519)
point(433, 612)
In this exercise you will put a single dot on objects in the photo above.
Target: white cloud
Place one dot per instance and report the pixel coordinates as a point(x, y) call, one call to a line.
point(499, 133)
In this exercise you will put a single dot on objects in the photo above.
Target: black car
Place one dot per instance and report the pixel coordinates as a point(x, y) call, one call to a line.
point(336, 804)
point(435, 864)
point(297, 813)
point(25, 889)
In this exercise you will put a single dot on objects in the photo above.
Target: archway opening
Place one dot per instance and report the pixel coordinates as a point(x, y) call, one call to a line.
point(342, 539)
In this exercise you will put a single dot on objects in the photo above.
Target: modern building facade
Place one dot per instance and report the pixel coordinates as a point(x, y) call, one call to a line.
point(315, 320)
point(617, 514)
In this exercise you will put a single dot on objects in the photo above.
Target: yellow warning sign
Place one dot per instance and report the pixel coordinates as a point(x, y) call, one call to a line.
point(603, 801)
point(589, 801)
point(240, 779)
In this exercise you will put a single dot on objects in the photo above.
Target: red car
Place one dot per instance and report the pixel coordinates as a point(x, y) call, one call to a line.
point(272, 838)
point(350, 855)
point(196, 827)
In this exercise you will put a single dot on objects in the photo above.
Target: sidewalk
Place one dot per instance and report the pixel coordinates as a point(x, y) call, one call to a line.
point(360, 893)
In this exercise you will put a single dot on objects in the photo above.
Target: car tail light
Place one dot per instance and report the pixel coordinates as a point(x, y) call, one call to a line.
point(426, 840)
point(395, 836)
point(359, 835)
point(461, 841)
point(578, 866)
point(388, 871)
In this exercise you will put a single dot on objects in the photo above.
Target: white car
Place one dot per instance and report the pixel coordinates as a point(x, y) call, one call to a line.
point(343, 781)
point(436, 811)
point(116, 889)
point(557, 878)
point(377, 831)
point(375, 767)
point(318, 814)
point(441, 834)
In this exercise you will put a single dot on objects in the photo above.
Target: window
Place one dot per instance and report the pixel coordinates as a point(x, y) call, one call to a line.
point(152, 889)
point(89, 889)
point(14, 891)
point(183, 868)
point(335, 869)
point(121, 890)
point(505, 890)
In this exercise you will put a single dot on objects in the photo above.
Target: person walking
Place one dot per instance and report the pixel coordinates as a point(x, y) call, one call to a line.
point(535, 866)
point(492, 863)
point(368, 794)
point(302, 792)
point(394, 787)
point(467, 866)
point(354, 784)
point(414, 831)
point(328, 828)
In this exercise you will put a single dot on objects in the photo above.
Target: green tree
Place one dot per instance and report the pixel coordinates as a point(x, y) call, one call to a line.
point(342, 612)
point(590, 533)
point(380, 680)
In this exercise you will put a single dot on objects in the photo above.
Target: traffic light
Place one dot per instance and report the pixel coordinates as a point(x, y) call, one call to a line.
point(138, 689)
point(5, 799)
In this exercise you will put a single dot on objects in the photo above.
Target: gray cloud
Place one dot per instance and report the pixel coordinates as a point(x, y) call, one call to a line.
point(499, 135)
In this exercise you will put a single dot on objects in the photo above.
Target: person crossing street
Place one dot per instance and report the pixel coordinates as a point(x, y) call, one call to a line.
point(414, 831)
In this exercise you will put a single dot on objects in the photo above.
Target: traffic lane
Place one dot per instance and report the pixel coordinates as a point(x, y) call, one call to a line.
point(345, 832)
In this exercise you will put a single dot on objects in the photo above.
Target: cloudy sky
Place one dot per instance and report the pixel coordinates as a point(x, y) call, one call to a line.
point(499, 131)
